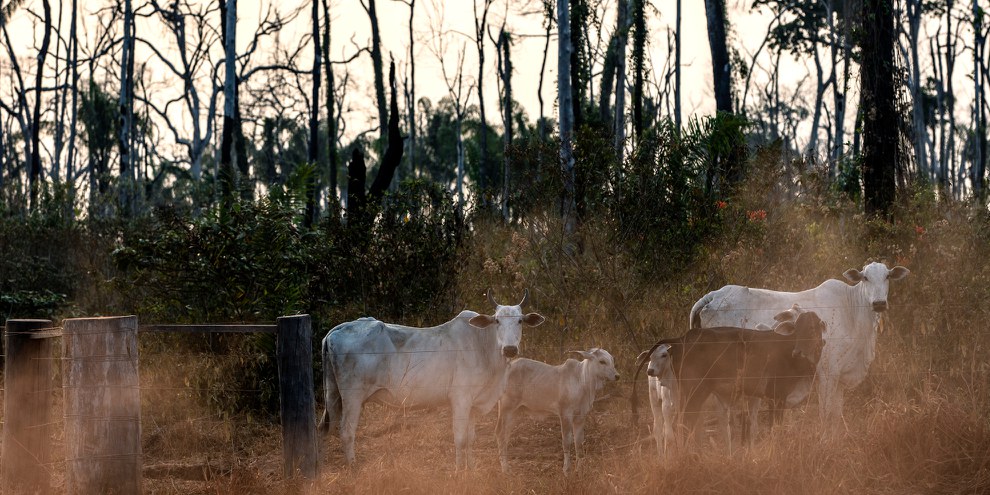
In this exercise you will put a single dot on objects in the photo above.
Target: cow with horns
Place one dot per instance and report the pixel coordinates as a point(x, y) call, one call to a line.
point(462, 364)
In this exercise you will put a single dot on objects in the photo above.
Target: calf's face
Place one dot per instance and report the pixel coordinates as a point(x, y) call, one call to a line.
point(807, 329)
point(660, 361)
point(602, 364)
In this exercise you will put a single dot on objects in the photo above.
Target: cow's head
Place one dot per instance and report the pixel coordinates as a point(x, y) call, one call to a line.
point(660, 361)
point(602, 364)
point(508, 322)
point(874, 282)
point(806, 328)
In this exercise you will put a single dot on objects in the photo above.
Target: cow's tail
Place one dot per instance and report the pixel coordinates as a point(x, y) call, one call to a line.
point(695, 319)
point(332, 400)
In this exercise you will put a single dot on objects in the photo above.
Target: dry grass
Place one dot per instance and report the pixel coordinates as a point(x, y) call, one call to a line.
point(919, 424)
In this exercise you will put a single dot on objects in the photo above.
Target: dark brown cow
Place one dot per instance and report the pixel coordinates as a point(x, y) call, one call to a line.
point(733, 363)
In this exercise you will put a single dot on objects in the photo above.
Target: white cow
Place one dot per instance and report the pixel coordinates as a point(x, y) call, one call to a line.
point(462, 364)
point(663, 389)
point(566, 390)
point(851, 313)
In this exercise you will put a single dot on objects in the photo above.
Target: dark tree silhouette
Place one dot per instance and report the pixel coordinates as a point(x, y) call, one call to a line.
point(881, 152)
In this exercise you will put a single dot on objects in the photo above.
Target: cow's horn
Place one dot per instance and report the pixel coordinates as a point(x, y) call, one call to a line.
point(525, 297)
point(491, 298)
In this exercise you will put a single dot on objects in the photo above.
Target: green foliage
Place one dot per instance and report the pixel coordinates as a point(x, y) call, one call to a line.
point(662, 208)
point(100, 116)
point(40, 257)
point(252, 262)
point(399, 264)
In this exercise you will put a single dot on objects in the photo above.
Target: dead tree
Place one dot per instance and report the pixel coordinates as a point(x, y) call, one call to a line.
point(566, 117)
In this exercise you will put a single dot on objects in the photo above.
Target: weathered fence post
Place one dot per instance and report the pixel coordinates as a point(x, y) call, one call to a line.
point(102, 405)
point(27, 408)
point(295, 382)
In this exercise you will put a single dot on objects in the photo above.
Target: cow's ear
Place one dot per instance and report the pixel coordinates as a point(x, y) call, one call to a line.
point(853, 275)
point(898, 272)
point(533, 319)
point(789, 315)
point(784, 328)
point(482, 321)
point(763, 327)
point(643, 356)
point(580, 355)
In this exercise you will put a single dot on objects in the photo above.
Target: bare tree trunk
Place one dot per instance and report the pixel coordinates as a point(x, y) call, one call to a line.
point(226, 172)
point(721, 65)
point(377, 66)
point(838, 93)
point(313, 183)
point(74, 57)
point(820, 87)
point(393, 153)
point(479, 39)
point(565, 108)
point(914, 14)
point(978, 173)
point(541, 124)
point(126, 140)
point(505, 43)
point(331, 113)
point(677, 68)
point(59, 102)
point(881, 153)
point(639, 64)
point(608, 77)
point(412, 89)
point(950, 96)
point(35, 170)
point(619, 119)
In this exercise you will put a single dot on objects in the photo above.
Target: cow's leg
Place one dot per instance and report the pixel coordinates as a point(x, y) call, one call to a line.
point(579, 438)
point(469, 449)
point(567, 437)
point(830, 405)
point(461, 414)
point(331, 393)
point(658, 408)
point(503, 431)
point(692, 412)
point(350, 414)
point(668, 412)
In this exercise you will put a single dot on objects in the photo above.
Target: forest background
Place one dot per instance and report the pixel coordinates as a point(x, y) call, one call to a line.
point(194, 162)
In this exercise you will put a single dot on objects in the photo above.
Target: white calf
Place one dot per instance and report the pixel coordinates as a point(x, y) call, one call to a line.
point(662, 385)
point(567, 390)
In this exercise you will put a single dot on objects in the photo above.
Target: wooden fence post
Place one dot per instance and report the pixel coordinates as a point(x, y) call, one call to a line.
point(27, 408)
point(102, 405)
point(298, 407)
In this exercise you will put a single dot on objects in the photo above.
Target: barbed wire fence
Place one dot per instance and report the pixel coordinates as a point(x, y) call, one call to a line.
point(43, 331)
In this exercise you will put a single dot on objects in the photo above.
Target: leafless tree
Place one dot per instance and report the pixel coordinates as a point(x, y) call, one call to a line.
point(480, 26)
point(566, 117)
point(458, 90)
point(376, 60)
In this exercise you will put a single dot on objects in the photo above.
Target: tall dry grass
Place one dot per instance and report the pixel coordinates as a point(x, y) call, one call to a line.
point(920, 423)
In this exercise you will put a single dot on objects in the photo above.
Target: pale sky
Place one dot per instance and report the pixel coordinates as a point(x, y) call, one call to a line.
point(350, 22)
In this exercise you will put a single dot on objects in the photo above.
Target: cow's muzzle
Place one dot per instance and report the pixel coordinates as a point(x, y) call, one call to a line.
point(510, 351)
point(880, 306)
point(651, 372)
